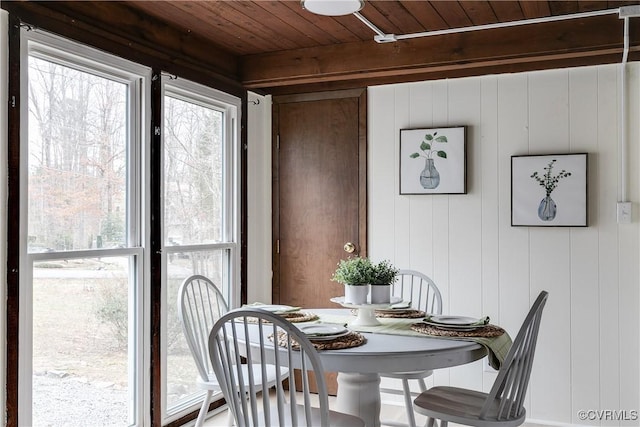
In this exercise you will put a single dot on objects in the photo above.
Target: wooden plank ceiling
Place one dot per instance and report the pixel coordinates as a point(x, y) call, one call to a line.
point(253, 27)
point(278, 47)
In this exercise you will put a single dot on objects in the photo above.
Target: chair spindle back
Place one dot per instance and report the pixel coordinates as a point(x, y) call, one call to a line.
point(229, 347)
point(509, 390)
point(418, 288)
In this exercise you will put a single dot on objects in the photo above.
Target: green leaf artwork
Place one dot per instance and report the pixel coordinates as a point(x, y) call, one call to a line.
point(548, 208)
point(549, 181)
point(430, 177)
point(428, 150)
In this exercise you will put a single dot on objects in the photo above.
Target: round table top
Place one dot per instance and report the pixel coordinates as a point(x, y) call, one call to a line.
point(398, 353)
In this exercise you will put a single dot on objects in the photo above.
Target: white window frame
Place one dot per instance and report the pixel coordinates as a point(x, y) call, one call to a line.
point(138, 78)
point(231, 107)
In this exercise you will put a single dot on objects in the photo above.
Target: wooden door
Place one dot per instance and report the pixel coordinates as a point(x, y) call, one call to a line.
point(319, 192)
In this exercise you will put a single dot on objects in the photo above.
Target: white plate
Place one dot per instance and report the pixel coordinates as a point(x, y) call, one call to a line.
point(320, 332)
point(277, 308)
point(453, 320)
point(402, 305)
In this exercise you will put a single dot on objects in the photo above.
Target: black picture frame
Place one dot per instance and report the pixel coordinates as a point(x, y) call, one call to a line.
point(433, 160)
point(549, 190)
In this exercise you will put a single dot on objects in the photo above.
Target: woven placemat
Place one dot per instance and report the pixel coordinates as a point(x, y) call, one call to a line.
point(299, 316)
point(293, 317)
point(488, 331)
point(401, 314)
point(352, 339)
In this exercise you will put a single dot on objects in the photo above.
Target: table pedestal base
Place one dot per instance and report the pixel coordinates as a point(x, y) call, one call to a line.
point(366, 317)
point(359, 395)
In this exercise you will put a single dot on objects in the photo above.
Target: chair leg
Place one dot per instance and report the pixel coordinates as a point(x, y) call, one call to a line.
point(444, 423)
point(408, 403)
point(230, 420)
point(422, 384)
point(204, 409)
point(431, 422)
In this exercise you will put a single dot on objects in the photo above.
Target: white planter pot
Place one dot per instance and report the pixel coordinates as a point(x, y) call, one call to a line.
point(356, 294)
point(380, 294)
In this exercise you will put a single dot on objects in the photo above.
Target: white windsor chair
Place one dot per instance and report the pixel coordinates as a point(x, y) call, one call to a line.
point(200, 305)
point(424, 295)
point(228, 342)
point(503, 405)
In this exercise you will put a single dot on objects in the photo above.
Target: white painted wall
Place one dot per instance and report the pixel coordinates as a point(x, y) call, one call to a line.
point(4, 28)
point(587, 355)
point(259, 198)
point(588, 352)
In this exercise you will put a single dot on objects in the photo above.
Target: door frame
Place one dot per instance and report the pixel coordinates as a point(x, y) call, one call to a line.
point(361, 95)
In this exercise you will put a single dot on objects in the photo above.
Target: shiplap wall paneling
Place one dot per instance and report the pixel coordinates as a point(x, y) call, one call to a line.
point(441, 206)
point(381, 210)
point(487, 157)
point(583, 136)
point(587, 354)
point(381, 192)
point(421, 250)
point(465, 231)
point(513, 139)
point(608, 252)
point(629, 266)
point(401, 203)
point(550, 252)
point(465, 221)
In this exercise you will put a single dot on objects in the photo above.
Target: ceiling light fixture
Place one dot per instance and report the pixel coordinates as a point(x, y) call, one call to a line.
point(332, 7)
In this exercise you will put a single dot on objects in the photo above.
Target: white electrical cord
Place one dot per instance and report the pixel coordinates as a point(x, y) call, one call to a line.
point(623, 113)
point(382, 37)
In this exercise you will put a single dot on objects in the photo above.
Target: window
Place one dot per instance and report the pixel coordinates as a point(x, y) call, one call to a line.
point(200, 215)
point(82, 287)
point(84, 282)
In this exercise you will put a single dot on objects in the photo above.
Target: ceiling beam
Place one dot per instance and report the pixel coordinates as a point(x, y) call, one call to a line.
point(584, 41)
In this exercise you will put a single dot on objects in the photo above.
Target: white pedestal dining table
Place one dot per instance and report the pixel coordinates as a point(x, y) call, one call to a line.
point(359, 367)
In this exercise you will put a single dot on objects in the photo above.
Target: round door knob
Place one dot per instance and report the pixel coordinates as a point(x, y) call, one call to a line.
point(349, 247)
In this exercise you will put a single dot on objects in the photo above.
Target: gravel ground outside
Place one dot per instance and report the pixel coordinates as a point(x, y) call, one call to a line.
point(80, 353)
point(62, 400)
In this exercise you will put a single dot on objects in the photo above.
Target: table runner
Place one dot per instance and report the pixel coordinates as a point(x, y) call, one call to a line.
point(397, 314)
point(497, 347)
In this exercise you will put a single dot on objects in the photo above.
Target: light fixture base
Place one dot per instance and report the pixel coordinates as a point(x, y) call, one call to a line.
point(386, 38)
point(332, 7)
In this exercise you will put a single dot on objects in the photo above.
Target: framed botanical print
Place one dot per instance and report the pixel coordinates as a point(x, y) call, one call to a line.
point(433, 161)
point(549, 190)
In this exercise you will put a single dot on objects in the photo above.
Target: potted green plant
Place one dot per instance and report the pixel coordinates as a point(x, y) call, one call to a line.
point(384, 274)
point(355, 273)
